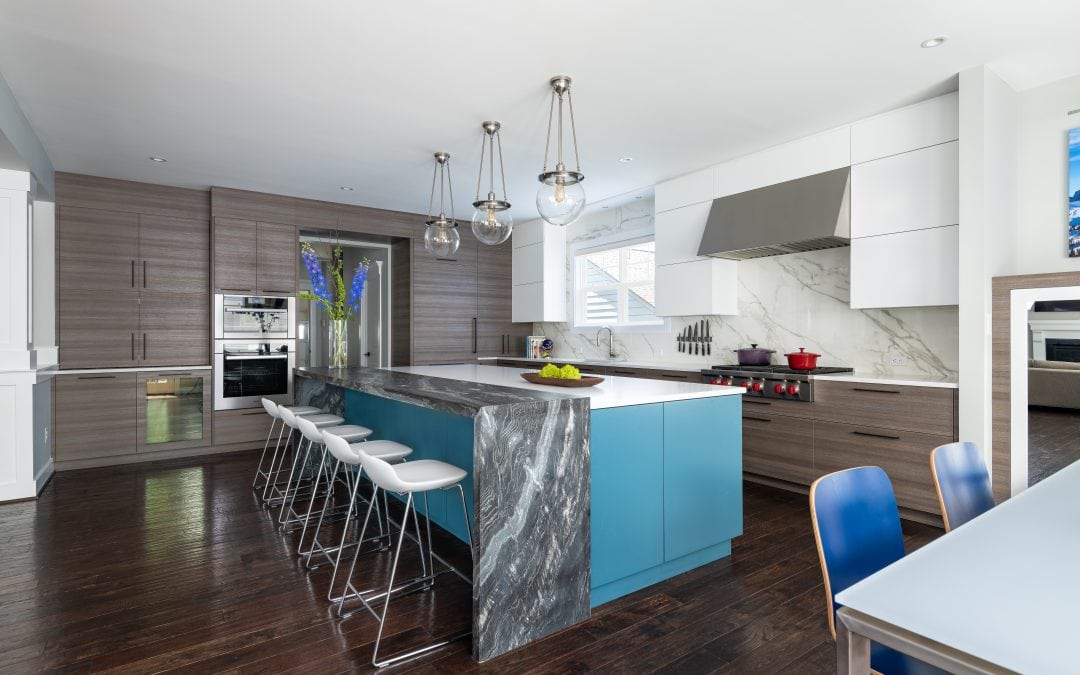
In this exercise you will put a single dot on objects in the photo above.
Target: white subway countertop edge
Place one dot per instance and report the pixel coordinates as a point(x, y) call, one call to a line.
point(897, 380)
point(613, 392)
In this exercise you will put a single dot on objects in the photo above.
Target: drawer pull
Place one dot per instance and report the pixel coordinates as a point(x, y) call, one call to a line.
point(867, 433)
point(257, 412)
point(877, 391)
point(97, 377)
point(676, 377)
point(756, 419)
point(624, 372)
point(756, 401)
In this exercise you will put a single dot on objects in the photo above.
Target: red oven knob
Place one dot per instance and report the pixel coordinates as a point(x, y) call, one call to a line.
point(726, 382)
point(746, 384)
point(715, 382)
point(793, 389)
point(779, 389)
point(756, 386)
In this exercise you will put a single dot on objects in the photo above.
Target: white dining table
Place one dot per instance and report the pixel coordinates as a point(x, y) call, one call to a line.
point(998, 594)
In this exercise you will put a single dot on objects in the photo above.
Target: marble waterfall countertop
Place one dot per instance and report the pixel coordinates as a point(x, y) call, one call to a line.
point(613, 392)
point(896, 380)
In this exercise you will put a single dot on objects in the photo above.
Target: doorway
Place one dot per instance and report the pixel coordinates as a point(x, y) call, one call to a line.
point(368, 342)
point(1053, 386)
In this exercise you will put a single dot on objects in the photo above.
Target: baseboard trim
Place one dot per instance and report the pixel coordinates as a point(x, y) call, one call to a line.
point(44, 475)
point(140, 457)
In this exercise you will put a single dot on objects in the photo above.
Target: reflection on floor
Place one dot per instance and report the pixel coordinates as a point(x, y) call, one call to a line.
point(1053, 441)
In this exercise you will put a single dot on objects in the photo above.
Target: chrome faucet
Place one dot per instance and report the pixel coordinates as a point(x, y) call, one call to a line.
point(610, 342)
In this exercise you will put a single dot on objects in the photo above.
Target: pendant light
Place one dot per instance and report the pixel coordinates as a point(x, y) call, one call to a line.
point(491, 222)
point(441, 237)
point(561, 199)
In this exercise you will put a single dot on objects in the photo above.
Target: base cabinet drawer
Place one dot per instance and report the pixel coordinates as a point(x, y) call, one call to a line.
point(94, 416)
point(778, 446)
point(928, 410)
point(904, 455)
point(241, 426)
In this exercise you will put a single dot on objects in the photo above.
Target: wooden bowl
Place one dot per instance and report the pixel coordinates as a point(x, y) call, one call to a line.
point(560, 382)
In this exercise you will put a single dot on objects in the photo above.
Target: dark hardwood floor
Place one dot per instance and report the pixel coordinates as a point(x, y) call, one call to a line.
point(175, 567)
point(1053, 441)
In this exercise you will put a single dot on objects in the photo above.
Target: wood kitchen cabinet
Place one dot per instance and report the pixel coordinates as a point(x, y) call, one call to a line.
point(778, 446)
point(276, 258)
point(254, 257)
point(926, 410)
point(231, 427)
point(95, 415)
point(445, 322)
point(133, 289)
point(496, 333)
point(172, 410)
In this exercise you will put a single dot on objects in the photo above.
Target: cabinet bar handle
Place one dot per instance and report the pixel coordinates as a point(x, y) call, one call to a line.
point(133, 277)
point(867, 433)
point(144, 274)
point(97, 377)
point(257, 412)
point(756, 401)
point(877, 391)
point(625, 372)
point(756, 419)
point(503, 344)
point(272, 290)
point(676, 377)
point(144, 346)
point(133, 346)
point(474, 335)
point(238, 290)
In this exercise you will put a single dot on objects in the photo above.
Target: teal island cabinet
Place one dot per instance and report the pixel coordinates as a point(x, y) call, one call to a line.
point(577, 496)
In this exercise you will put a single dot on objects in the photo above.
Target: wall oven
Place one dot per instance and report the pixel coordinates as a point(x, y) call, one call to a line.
point(259, 317)
point(245, 371)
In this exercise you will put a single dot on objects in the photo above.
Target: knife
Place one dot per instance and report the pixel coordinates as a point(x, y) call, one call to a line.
point(679, 340)
point(695, 338)
point(708, 339)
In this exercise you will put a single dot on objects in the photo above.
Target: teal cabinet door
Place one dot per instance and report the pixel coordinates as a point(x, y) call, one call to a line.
point(702, 473)
point(626, 456)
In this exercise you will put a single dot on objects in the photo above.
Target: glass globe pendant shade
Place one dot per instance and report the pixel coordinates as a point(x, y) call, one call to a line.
point(441, 241)
point(560, 204)
point(492, 227)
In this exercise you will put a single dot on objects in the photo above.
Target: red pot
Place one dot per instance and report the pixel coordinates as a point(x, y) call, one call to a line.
point(802, 359)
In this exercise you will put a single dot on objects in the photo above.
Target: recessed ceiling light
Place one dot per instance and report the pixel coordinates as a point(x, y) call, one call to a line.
point(639, 196)
point(604, 206)
point(346, 188)
point(160, 160)
point(626, 160)
point(934, 42)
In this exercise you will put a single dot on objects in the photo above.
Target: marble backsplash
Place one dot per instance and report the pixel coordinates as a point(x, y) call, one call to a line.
point(785, 302)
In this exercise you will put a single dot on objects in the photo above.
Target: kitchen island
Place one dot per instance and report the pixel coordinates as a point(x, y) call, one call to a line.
point(577, 496)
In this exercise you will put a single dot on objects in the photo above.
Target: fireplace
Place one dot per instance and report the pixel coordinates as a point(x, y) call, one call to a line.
point(1061, 349)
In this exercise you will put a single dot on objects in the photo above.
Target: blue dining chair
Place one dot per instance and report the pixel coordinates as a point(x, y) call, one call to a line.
point(962, 482)
point(857, 531)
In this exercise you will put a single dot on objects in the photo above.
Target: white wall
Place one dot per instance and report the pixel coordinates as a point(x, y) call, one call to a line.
point(988, 114)
point(1042, 176)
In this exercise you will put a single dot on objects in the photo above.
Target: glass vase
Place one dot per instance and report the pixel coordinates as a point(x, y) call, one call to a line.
point(339, 343)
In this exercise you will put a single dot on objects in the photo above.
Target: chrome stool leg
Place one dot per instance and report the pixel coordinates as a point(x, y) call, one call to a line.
point(266, 446)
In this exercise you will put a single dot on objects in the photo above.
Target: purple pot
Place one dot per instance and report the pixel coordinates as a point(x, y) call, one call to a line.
point(754, 356)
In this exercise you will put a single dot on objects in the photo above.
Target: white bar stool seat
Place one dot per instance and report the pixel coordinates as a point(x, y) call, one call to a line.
point(350, 432)
point(388, 451)
point(320, 420)
point(301, 409)
point(423, 475)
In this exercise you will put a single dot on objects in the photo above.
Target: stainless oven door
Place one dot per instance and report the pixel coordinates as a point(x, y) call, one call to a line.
point(242, 379)
point(242, 317)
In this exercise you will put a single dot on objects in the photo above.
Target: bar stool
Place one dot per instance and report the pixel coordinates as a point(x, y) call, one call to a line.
point(314, 435)
point(287, 515)
point(408, 478)
point(272, 410)
point(344, 453)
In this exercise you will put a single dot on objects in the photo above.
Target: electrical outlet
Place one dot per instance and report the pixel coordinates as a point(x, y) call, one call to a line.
point(897, 360)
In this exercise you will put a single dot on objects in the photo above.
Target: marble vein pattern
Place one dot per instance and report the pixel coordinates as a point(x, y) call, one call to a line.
point(785, 302)
point(531, 574)
point(531, 548)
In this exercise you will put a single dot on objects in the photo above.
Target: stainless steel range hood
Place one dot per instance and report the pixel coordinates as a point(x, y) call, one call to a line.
point(805, 214)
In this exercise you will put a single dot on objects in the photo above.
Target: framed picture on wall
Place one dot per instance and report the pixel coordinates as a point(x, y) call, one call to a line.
point(1074, 193)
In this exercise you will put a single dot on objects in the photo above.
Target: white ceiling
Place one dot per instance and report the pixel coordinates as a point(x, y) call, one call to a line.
point(300, 98)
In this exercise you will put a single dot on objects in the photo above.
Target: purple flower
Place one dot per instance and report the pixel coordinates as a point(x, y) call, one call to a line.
point(357, 288)
point(315, 272)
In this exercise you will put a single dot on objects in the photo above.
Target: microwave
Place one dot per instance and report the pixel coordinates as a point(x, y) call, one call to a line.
point(254, 317)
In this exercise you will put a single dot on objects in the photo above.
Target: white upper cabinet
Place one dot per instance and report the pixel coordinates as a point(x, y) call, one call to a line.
point(539, 272)
point(910, 191)
point(909, 269)
point(692, 188)
point(917, 126)
point(708, 286)
point(678, 233)
point(821, 152)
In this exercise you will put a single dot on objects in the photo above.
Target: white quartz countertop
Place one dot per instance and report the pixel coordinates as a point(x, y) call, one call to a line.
point(898, 380)
point(613, 392)
point(614, 363)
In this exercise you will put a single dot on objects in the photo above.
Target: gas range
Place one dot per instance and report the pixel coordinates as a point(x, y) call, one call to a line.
point(769, 381)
